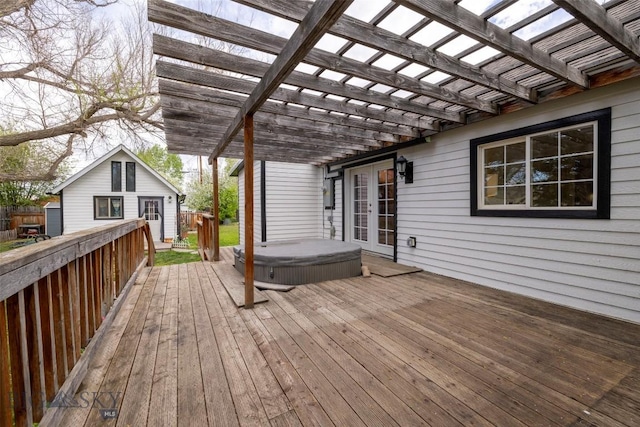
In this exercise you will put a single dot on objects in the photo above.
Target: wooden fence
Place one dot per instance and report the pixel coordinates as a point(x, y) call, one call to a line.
point(58, 297)
point(13, 216)
point(7, 235)
point(189, 220)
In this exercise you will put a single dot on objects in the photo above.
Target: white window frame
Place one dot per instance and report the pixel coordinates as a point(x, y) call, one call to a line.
point(528, 182)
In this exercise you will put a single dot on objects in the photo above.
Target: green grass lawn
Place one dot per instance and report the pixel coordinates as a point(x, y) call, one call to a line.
point(175, 257)
point(7, 246)
point(229, 236)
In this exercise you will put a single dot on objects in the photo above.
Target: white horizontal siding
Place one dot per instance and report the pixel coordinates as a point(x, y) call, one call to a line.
point(257, 203)
point(77, 197)
point(293, 201)
point(592, 265)
point(336, 213)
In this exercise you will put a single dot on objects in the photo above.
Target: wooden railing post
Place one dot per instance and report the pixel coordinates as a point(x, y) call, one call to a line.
point(6, 414)
point(200, 233)
point(21, 390)
point(216, 212)
point(151, 249)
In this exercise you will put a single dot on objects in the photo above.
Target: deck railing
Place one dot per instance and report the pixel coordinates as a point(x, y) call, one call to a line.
point(54, 297)
point(205, 237)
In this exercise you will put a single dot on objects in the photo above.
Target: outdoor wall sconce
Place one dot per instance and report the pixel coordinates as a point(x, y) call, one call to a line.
point(405, 169)
point(170, 198)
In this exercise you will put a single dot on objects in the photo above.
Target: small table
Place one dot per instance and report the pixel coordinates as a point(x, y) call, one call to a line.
point(27, 230)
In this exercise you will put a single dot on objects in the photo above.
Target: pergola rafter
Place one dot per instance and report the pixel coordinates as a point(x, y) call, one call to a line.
point(316, 117)
point(187, 19)
point(390, 43)
point(490, 34)
point(596, 18)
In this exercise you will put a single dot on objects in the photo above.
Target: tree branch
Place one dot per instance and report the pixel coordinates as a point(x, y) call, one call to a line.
point(7, 7)
point(80, 125)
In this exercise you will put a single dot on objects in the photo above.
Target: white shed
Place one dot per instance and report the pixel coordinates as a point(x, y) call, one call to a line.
point(116, 186)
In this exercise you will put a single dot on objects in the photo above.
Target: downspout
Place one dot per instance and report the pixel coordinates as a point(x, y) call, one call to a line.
point(62, 213)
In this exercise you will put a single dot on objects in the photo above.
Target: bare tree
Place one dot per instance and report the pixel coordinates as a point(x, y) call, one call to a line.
point(66, 78)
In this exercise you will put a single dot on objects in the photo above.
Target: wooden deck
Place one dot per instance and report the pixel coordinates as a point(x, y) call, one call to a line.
point(415, 349)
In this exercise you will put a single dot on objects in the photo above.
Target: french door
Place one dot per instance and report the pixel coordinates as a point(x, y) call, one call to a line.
point(371, 207)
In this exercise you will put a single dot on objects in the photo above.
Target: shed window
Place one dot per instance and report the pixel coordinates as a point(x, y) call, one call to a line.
point(106, 207)
point(131, 176)
point(116, 176)
point(557, 169)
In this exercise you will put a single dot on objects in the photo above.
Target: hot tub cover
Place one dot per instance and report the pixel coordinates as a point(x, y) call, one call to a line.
point(301, 252)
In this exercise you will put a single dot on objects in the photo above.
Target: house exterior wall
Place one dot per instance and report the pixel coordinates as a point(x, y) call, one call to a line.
point(589, 264)
point(257, 203)
point(293, 201)
point(78, 210)
point(297, 185)
point(336, 213)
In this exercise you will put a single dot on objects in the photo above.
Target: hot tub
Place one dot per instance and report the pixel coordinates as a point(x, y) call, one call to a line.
point(296, 262)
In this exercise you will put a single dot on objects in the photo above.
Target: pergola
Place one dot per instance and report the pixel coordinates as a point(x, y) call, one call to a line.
point(360, 76)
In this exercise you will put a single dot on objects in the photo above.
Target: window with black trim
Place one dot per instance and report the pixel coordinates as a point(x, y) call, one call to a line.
point(558, 169)
point(116, 176)
point(131, 176)
point(108, 207)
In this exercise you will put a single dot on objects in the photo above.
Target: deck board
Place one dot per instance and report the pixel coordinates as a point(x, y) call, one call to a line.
point(163, 405)
point(191, 398)
point(417, 349)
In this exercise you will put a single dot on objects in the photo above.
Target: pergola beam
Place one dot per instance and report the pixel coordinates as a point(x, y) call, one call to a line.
point(209, 99)
point(273, 141)
point(181, 73)
point(277, 150)
point(471, 25)
point(199, 111)
point(322, 15)
point(600, 22)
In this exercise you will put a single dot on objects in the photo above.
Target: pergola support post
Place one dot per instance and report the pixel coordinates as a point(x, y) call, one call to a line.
point(216, 210)
point(248, 211)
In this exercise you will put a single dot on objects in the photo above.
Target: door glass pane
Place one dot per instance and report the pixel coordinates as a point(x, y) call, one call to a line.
point(151, 212)
point(386, 204)
point(360, 207)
